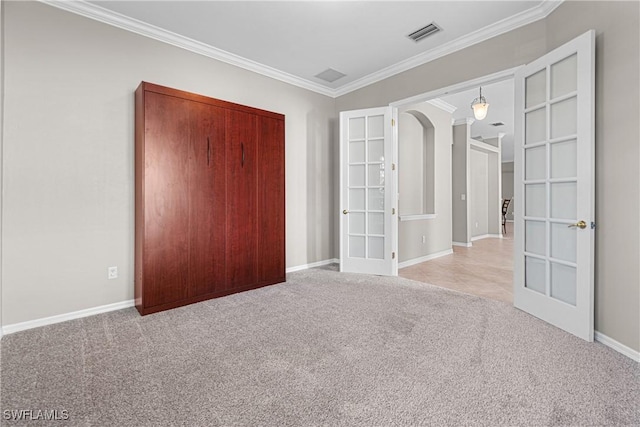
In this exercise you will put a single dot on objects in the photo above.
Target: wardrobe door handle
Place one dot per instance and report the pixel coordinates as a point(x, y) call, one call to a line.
point(242, 145)
point(208, 151)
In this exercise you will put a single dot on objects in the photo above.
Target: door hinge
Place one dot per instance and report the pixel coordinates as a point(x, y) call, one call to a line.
point(393, 166)
point(393, 122)
point(393, 211)
point(393, 255)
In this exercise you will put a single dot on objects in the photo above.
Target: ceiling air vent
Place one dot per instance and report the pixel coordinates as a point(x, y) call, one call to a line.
point(330, 75)
point(423, 32)
point(496, 124)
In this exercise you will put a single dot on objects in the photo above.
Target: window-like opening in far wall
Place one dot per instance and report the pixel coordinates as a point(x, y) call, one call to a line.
point(416, 152)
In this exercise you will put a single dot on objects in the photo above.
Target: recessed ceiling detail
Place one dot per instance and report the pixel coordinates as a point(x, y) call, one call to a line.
point(424, 32)
point(330, 75)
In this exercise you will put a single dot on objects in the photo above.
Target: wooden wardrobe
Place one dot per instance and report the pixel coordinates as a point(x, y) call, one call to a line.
point(209, 198)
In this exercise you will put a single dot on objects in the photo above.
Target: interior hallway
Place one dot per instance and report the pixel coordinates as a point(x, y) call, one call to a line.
point(485, 269)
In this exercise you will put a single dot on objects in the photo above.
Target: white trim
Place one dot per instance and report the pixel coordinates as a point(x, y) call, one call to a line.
point(417, 217)
point(30, 324)
point(97, 13)
point(486, 236)
point(511, 23)
point(425, 258)
point(462, 244)
point(464, 121)
point(313, 265)
point(617, 346)
point(496, 77)
point(483, 146)
point(443, 105)
point(92, 11)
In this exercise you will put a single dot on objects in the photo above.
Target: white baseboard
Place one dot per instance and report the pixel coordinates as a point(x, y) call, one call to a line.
point(313, 265)
point(463, 244)
point(30, 324)
point(619, 347)
point(486, 236)
point(415, 261)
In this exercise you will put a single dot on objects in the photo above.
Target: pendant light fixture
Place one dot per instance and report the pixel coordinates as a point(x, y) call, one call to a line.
point(480, 107)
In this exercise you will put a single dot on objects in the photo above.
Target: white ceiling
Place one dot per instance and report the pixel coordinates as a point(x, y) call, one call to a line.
point(295, 40)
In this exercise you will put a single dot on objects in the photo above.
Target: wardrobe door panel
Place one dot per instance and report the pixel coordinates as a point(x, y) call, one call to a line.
point(271, 201)
point(166, 203)
point(207, 224)
point(241, 255)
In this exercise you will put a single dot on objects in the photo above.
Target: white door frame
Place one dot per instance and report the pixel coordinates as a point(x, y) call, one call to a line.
point(499, 76)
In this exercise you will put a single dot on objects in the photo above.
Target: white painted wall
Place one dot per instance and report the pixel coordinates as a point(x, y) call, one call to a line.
point(68, 155)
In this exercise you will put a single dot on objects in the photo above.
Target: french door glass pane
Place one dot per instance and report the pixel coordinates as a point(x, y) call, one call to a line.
point(376, 247)
point(356, 199)
point(564, 118)
point(535, 200)
point(563, 76)
point(535, 237)
point(563, 200)
point(376, 199)
point(356, 152)
point(376, 174)
point(376, 127)
point(376, 150)
point(356, 223)
point(563, 159)
point(563, 283)
point(535, 274)
point(535, 123)
point(535, 88)
point(376, 223)
point(535, 163)
point(356, 176)
point(356, 246)
point(356, 128)
point(563, 242)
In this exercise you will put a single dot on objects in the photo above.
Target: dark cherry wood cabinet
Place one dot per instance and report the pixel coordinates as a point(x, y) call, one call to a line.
point(209, 183)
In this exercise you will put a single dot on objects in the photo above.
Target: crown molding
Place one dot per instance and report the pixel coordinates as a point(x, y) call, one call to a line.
point(523, 18)
point(443, 105)
point(464, 121)
point(97, 13)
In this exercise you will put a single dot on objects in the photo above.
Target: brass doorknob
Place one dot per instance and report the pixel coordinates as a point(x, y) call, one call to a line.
point(345, 211)
point(579, 224)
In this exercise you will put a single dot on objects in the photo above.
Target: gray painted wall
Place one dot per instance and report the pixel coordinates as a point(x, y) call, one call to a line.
point(507, 186)
point(617, 281)
point(68, 155)
point(459, 184)
point(68, 180)
point(437, 231)
point(479, 192)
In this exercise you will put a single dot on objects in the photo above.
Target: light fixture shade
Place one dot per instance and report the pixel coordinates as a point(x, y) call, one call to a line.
point(480, 107)
point(480, 110)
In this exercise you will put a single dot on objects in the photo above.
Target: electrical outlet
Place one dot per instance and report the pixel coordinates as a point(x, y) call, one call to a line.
point(112, 272)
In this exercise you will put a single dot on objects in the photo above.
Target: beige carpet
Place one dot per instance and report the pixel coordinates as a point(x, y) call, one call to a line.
point(324, 349)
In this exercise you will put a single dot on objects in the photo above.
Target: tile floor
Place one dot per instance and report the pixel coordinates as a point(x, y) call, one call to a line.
point(485, 269)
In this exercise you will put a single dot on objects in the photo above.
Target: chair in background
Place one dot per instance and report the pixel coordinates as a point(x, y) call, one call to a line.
point(505, 209)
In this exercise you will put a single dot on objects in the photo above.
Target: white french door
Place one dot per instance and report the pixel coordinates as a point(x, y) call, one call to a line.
point(367, 206)
point(554, 187)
